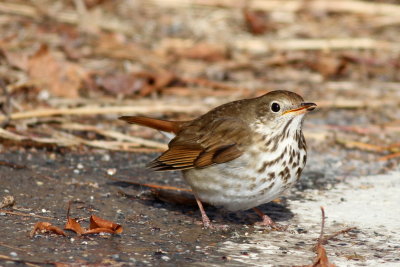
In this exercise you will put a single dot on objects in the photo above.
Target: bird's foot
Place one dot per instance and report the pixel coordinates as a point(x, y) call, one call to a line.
point(206, 221)
point(207, 224)
point(268, 222)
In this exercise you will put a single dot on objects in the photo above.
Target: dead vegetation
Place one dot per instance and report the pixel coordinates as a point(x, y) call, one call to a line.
point(72, 62)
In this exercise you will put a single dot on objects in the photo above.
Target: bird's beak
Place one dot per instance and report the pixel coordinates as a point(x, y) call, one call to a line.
point(304, 107)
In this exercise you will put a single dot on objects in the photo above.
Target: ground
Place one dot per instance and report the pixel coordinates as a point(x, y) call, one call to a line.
point(70, 68)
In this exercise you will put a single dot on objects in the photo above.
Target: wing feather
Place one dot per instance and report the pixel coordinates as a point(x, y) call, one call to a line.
point(199, 146)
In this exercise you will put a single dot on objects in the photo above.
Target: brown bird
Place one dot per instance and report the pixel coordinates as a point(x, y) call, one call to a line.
point(239, 155)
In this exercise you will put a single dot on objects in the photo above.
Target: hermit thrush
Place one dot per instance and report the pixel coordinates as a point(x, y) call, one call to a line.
point(239, 155)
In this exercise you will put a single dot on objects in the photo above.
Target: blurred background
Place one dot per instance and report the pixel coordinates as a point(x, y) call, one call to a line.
point(69, 69)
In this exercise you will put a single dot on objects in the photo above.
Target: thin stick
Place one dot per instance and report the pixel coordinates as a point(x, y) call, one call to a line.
point(325, 239)
point(145, 109)
point(390, 156)
point(14, 248)
point(260, 46)
point(12, 165)
point(29, 263)
point(348, 6)
point(321, 235)
point(114, 134)
point(25, 214)
point(155, 186)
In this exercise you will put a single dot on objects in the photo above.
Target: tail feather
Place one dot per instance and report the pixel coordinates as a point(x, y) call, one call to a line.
point(161, 125)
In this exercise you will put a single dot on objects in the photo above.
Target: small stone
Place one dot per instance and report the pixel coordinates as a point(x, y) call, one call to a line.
point(105, 157)
point(79, 166)
point(165, 258)
point(13, 254)
point(111, 171)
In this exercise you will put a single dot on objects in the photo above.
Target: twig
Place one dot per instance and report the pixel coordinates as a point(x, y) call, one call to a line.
point(151, 185)
point(327, 238)
point(25, 214)
point(14, 248)
point(12, 165)
point(258, 46)
point(353, 6)
point(114, 134)
point(145, 109)
point(390, 156)
point(360, 145)
point(321, 235)
point(29, 263)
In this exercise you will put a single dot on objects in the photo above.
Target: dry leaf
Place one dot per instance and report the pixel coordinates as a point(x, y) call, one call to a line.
point(60, 77)
point(322, 259)
point(256, 21)
point(73, 225)
point(16, 59)
point(46, 227)
point(142, 83)
point(99, 223)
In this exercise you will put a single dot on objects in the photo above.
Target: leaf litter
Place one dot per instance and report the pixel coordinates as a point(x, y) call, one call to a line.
point(97, 225)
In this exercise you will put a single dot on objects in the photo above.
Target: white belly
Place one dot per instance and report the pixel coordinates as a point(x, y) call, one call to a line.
point(247, 182)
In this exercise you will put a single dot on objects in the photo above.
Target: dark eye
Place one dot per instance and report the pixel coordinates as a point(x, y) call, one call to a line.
point(275, 107)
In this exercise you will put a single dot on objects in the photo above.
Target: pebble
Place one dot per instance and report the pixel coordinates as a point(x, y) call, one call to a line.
point(165, 258)
point(105, 157)
point(111, 171)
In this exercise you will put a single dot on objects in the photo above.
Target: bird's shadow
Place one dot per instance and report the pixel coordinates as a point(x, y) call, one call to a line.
point(185, 203)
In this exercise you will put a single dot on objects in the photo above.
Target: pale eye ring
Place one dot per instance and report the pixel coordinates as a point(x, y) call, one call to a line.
point(275, 107)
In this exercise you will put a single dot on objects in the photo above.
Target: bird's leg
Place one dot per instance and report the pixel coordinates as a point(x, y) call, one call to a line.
point(267, 221)
point(206, 221)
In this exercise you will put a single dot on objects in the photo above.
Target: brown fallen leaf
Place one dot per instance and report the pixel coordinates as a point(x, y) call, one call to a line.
point(97, 225)
point(142, 83)
point(72, 224)
point(121, 84)
point(256, 21)
point(60, 77)
point(100, 223)
point(46, 227)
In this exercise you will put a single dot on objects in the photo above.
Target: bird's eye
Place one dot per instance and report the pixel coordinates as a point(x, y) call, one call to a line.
point(275, 107)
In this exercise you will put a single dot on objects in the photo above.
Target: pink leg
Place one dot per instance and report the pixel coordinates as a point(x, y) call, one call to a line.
point(267, 221)
point(206, 221)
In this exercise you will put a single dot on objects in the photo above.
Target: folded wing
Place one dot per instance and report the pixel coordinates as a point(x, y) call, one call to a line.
point(198, 145)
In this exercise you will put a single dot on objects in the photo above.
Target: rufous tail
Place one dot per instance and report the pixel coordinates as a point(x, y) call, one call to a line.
point(161, 125)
